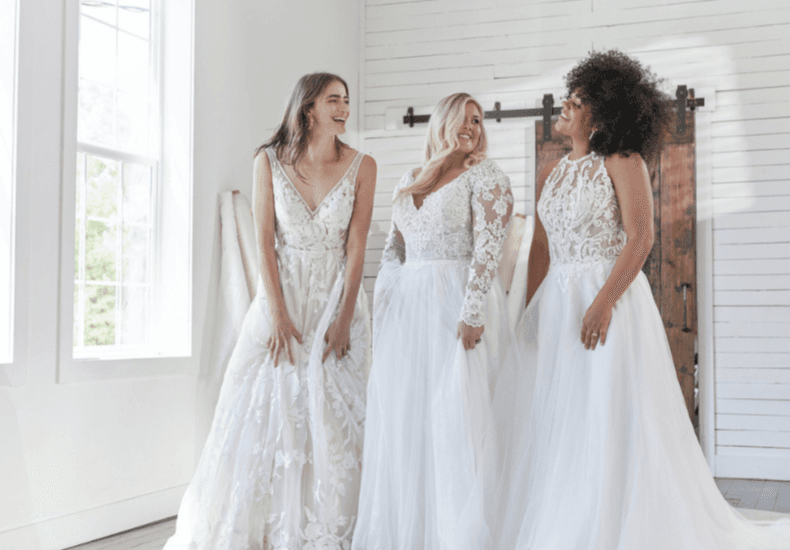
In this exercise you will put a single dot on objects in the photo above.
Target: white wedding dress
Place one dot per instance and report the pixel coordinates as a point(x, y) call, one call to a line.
point(608, 459)
point(281, 466)
point(428, 459)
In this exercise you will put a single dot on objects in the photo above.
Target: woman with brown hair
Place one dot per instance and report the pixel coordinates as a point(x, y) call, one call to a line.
point(281, 465)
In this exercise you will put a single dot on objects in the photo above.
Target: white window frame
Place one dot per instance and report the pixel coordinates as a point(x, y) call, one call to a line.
point(171, 353)
point(12, 349)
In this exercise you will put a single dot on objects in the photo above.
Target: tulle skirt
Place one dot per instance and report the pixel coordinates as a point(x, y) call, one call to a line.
point(429, 463)
point(607, 458)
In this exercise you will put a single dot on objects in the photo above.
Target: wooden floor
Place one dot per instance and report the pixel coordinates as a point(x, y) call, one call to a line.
point(148, 537)
point(773, 496)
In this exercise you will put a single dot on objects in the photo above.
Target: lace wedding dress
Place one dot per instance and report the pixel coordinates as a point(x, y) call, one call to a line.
point(608, 459)
point(281, 466)
point(428, 449)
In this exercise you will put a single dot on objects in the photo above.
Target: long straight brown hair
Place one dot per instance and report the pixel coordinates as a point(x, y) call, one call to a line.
point(291, 137)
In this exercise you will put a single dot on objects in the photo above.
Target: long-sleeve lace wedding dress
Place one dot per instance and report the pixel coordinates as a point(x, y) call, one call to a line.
point(608, 459)
point(281, 466)
point(428, 450)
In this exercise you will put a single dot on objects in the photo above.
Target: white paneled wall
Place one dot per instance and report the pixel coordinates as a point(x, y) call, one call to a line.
point(515, 51)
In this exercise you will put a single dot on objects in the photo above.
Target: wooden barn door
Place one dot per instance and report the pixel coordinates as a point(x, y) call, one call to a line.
point(671, 265)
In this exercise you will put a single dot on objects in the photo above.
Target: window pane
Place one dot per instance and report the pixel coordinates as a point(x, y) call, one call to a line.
point(99, 315)
point(118, 87)
point(135, 17)
point(133, 64)
point(133, 128)
point(102, 188)
point(135, 254)
point(136, 193)
point(100, 251)
point(135, 314)
point(103, 10)
point(97, 52)
point(96, 122)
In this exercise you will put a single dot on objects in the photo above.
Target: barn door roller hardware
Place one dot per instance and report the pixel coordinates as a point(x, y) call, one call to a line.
point(684, 97)
point(498, 114)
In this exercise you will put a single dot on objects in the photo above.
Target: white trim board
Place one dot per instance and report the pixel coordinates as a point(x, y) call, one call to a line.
point(80, 527)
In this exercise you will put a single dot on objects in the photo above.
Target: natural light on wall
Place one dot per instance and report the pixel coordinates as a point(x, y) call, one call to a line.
point(132, 193)
point(8, 50)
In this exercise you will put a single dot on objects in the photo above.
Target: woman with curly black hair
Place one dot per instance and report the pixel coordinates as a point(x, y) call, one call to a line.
point(608, 459)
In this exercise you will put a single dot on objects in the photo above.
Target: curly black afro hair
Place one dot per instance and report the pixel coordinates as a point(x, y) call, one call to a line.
point(629, 111)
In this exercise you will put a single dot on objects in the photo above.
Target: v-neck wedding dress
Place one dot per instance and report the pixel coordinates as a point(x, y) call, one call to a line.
point(429, 456)
point(281, 466)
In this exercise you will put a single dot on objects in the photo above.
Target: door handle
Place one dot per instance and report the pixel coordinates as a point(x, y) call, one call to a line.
point(685, 287)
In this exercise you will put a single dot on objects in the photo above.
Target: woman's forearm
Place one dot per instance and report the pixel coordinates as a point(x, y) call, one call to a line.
point(625, 269)
point(271, 277)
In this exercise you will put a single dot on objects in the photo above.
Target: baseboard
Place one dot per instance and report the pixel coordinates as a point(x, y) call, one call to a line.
point(81, 527)
point(753, 467)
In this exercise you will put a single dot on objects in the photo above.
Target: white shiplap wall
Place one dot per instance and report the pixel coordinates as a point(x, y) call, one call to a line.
point(512, 51)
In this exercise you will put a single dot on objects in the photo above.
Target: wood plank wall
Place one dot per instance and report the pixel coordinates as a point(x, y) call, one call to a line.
point(415, 52)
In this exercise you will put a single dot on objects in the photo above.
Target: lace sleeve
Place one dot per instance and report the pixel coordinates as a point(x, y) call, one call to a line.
point(492, 204)
point(394, 246)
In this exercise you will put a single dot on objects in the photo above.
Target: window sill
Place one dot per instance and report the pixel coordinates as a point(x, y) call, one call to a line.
point(97, 369)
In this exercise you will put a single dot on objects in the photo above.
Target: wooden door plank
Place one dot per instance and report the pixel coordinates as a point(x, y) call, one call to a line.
point(678, 260)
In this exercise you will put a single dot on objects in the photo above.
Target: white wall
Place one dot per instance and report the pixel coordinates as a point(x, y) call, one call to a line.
point(80, 461)
point(514, 51)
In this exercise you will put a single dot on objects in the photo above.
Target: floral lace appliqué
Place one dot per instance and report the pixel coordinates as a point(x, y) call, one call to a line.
point(466, 220)
point(579, 209)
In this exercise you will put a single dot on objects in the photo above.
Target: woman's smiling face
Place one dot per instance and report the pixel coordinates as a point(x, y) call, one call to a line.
point(331, 110)
point(469, 132)
point(575, 118)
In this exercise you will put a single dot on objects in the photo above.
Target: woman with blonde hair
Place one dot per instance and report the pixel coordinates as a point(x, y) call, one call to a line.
point(281, 466)
point(440, 325)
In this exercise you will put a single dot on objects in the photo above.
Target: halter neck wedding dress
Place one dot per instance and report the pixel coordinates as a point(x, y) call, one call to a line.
point(607, 458)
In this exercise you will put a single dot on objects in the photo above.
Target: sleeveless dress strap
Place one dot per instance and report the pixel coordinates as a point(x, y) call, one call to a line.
point(354, 168)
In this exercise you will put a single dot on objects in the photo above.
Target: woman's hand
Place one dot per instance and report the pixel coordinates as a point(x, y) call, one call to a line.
point(469, 335)
point(337, 338)
point(595, 324)
point(280, 340)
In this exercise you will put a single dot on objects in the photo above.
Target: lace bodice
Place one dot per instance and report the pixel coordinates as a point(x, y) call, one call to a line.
point(464, 220)
point(579, 209)
point(299, 227)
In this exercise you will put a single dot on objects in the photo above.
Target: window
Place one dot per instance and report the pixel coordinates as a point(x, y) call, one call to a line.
point(131, 239)
point(8, 28)
point(118, 159)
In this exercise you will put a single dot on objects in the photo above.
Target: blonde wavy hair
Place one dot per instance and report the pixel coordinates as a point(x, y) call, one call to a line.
point(442, 139)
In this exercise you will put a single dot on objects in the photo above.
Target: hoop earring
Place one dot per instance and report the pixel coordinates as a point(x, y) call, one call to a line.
point(592, 134)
